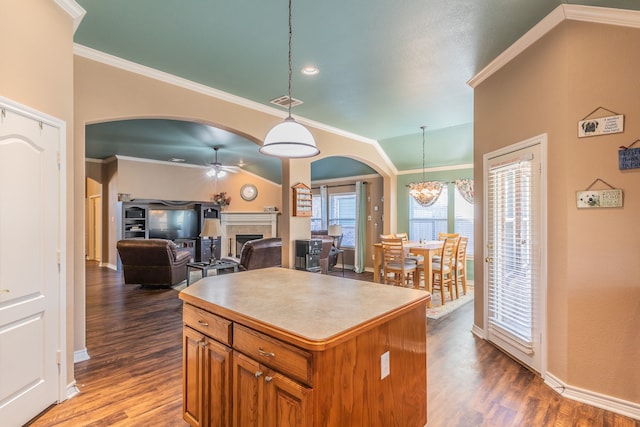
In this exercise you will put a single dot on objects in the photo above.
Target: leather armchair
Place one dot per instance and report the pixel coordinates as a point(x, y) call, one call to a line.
point(152, 262)
point(260, 253)
point(327, 245)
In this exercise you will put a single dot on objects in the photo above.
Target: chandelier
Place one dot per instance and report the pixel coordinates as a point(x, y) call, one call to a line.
point(289, 139)
point(425, 192)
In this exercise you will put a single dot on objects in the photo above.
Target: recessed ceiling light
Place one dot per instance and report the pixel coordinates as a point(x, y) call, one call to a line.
point(310, 70)
point(177, 160)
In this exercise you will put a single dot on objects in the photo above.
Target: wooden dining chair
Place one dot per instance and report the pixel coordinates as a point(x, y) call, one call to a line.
point(419, 259)
point(394, 262)
point(443, 237)
point(460, 266)
point(443, 269)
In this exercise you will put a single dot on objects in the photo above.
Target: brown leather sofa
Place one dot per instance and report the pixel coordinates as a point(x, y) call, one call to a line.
point(152, 262)
point(259, 253)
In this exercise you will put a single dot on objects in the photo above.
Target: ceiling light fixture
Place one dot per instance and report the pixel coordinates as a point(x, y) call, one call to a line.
point(310, 70)
point(425, 192)
point(289, 139)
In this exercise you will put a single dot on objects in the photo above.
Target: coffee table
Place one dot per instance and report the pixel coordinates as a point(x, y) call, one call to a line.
point(205, 267)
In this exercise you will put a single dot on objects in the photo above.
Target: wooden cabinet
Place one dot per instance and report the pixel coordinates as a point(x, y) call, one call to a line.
point(302, 200)
point(206, 369)
point(207, 385)
point(304, 350)
point(265, 397)
point(215, 376)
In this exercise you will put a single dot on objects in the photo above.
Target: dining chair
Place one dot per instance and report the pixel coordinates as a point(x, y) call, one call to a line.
point(460, 265)
point(394, 262)
point(419, 259)
point(443, 268)
point(443, 237)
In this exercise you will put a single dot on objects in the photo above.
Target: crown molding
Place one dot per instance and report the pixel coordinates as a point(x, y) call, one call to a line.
point(564, 12)
point(74, 10)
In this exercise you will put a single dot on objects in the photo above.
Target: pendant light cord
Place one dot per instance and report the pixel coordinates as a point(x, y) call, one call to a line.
point(290, 62)
point(423, 129)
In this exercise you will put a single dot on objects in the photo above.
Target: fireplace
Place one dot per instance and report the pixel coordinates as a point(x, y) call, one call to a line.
point(241, 239)
point(262, 224)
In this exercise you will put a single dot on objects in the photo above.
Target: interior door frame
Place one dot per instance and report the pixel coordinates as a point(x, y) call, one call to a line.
point(64, 390)
point(541, 310)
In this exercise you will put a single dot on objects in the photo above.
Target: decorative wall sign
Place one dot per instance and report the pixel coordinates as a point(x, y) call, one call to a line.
point(599, 198)
point(629, 158)
point(601, 126)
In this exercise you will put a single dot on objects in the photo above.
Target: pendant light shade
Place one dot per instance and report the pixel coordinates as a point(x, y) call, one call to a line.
point(289, 139)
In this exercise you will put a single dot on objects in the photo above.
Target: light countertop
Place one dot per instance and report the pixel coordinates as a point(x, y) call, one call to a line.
point(313, 308)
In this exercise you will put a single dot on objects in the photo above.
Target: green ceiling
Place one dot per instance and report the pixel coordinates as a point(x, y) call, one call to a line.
point(386, 67)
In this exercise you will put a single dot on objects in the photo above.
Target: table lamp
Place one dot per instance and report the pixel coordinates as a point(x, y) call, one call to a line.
point(211, 229)
point(335, 231)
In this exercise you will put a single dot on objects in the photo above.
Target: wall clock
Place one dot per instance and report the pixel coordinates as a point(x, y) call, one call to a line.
point(248, 192)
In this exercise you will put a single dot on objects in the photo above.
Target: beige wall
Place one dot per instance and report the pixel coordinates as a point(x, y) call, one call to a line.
point(37, 71)
point(593, 304)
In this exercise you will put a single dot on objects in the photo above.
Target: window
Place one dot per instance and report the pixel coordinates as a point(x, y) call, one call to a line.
point(316, 212)
point(464, 220)
point(426, 222)
point(342, 210)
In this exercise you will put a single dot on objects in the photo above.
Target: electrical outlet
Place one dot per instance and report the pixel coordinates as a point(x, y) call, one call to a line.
point(385, 366)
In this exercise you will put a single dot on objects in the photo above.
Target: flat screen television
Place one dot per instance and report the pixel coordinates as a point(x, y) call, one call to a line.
point(173, 224)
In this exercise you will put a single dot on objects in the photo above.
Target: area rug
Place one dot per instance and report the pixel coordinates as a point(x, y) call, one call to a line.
point(438, 310)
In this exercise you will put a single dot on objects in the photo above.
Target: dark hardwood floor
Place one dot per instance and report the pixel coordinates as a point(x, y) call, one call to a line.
point(134, 375)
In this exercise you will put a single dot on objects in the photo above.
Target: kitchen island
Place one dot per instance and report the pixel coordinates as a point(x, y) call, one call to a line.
point(281, 347)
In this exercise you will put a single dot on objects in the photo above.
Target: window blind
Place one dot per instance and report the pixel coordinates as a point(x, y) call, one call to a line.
point(510, 236)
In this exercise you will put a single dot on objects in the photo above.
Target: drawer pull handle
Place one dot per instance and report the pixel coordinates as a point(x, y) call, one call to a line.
point(202, 323)
point(261, 352)
point(268, 379)
point(258, 374)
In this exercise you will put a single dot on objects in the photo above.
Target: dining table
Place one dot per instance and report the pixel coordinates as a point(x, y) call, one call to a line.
point(427, 249)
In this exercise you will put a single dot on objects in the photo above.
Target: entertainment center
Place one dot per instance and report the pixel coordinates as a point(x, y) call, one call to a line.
point(179, 221)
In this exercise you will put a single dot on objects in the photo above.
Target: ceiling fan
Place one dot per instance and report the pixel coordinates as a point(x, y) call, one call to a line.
point(217, 170)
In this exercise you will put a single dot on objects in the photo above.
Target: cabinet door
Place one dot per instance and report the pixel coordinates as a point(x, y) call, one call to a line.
point(288, 404)
point(217, 384)
point(193, 376)
point(206, 382)
point(248, 392)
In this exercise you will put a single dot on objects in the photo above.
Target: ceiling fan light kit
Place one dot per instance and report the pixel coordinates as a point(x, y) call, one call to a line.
point(217, 170)
point(289, 139)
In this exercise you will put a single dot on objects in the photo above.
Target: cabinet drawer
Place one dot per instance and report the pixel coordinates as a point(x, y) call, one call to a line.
point(209, 324)
point(274, 353)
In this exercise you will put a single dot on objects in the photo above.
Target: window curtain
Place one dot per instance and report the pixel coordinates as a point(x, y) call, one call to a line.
point(361, 227)
point(324, 204)
point(465, 188)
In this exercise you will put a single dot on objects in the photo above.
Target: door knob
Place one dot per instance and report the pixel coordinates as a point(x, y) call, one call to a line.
point(488, 259)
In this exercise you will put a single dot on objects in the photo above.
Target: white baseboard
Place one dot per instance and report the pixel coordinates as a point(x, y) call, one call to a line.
point(609, 403)
point(81, 355)
point(110, 266)
point(72, 390)
point(478, 332)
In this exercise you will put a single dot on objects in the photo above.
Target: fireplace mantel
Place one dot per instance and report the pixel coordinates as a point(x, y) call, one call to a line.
point(232, 223)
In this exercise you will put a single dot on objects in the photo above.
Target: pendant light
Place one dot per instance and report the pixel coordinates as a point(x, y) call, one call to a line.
point(425, 192)
point(289, 139)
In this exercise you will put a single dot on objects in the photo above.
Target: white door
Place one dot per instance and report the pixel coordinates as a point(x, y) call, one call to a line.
point(514, 223)
point(30, 335)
